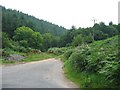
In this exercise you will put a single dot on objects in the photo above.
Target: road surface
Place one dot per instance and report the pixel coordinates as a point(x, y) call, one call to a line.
point(40, 74)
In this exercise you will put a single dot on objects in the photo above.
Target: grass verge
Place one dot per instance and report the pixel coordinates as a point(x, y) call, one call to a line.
point(38, 57)
point(29, 58)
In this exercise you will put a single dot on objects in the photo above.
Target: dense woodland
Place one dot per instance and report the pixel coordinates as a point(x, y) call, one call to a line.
point(13, 19)
point(92, 50)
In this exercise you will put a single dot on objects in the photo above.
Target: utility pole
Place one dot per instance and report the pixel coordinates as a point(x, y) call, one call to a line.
point(94, 20)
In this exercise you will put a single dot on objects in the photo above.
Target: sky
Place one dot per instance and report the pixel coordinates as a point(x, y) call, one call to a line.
point(67, 13)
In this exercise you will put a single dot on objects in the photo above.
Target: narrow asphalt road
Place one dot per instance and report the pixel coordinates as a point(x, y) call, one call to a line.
point(40, 74)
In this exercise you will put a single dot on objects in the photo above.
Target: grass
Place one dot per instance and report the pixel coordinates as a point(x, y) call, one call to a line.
point(38, 57)
point(29, 58)
point(7, 62)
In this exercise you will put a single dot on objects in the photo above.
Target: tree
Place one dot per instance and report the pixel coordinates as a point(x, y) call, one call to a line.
point(66, 39)
point(47, 42)
point(36, 41)
point(88, 39)
point(28, 38)
point(78, 40)
point(12, 19)
point(73, 28)
point(118, 28)
point(23, 33)
point(110, 23)
point(6, 41)
point(112, 31)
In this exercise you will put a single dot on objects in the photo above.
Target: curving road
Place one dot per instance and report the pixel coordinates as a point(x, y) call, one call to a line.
point(40, 74)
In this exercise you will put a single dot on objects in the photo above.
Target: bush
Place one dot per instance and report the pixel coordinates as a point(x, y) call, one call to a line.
point(23, 43)
point(100, 57)
point(78, 61)
point(68, 53)
point(6, 41)
point(57, 51)
point(95, 62)
point(112, 72)
point(20, 49)
point(35, 51)
point(6, 52)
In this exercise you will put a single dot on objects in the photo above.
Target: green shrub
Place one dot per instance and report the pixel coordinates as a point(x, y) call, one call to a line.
point(35, 51)
point(112, 72)
point(78, 61)
point(100, 57)
point(23, 43)
point(68, 53)
point(6, 41)
point(57, 51)
point(20, 49)
point(6, 52)
point(95, 62)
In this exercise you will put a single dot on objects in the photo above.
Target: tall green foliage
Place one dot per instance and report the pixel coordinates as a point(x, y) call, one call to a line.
point(100, 57)
point(97, 32)
point(28, 38)
point(78, 40)
point(6, 41)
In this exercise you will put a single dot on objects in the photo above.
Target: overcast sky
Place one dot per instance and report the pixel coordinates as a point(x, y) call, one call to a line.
point(68, 12)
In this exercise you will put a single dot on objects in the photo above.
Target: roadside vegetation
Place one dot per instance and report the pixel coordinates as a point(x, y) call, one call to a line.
point(33, 55)
point(29, 58)
point(38, 57)
point(94, 65)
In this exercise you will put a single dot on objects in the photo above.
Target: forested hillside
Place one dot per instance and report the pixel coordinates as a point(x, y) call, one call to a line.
point(45, 34)
point(12, 19)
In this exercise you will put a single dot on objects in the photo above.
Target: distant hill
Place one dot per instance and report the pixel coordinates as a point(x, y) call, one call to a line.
point(12, 19)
